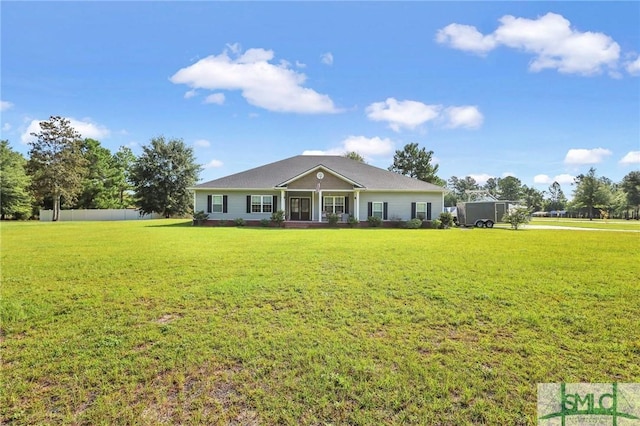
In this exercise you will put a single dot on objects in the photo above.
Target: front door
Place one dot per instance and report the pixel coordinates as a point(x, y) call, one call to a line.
point(300, 208)
point(305, 209)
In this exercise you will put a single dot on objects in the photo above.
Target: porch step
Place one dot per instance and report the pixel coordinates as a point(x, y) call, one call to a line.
point(304, 224)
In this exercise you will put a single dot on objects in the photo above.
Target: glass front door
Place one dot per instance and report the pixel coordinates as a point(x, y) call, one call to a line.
point(300, 208)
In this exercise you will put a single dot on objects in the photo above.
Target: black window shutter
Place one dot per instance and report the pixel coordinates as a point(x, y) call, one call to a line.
point(346, 204)
point(225, 203)
point(248, 203)
point(369, 209)
point(209, 198)
point(413, 210)
point(385, 211)
point(275, 203)
point(428, 211)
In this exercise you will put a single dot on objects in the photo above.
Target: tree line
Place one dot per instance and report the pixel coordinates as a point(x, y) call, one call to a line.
point(591, 193)
point(65, 170)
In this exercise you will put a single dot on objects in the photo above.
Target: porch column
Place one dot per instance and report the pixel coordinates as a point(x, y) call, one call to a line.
point(356, 201)
point(319, 206)
point(283, 204)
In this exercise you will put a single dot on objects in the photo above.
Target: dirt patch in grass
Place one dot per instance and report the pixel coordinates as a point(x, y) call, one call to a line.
point(168, 318)
point(207, 395)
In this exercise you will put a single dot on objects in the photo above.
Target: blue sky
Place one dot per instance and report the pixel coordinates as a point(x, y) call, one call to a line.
point(538, 90)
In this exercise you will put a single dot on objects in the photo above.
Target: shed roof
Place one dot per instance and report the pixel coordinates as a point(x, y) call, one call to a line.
point(279, 173)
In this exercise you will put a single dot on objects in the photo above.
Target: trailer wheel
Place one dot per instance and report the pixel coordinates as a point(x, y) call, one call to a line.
point(489, 224)
point(479, 223)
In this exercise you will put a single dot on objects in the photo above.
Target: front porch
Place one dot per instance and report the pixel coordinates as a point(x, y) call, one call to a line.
point(317, 206)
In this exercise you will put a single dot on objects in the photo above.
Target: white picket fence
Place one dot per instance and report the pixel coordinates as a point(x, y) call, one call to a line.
point(97, 215)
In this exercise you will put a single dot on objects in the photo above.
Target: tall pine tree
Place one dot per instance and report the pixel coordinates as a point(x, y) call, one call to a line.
point(56, 163)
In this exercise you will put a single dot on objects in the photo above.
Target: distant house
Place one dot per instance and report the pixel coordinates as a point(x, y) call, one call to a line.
point(311, 187)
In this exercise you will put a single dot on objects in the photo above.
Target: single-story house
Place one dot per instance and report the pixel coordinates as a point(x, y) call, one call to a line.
point(311, 187)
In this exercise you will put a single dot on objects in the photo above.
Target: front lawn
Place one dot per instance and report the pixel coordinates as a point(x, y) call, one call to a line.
point(159, 322)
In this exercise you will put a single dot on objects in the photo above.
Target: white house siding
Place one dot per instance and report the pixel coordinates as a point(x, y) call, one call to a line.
point(236, 204)
point(399, 204)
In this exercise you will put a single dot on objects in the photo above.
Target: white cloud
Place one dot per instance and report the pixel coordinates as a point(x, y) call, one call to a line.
point(202, 143)
point(542, 179)
point(562, 179)
point(6, 127)
point(464, 116)
point(412, 114)
point(274, 87)
point(332, 151)
point(586, 156)
point(327, 58)
point(367, 147)
point(465, 37)
point(632, 157)
point(5, 105)
point(213, 164)
point(550, 38)
point(190, 94)
point(402, 114)
point(481, 178)
point(235, 48)
point(85, 127)
point(300, 64)
point(633, 67)
point(215, 98)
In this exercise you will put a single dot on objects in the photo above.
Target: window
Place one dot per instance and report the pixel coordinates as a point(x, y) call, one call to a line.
point(216, 204)
point(377, 209)
point(261, 204)
point(334, 205)
point(421, 210)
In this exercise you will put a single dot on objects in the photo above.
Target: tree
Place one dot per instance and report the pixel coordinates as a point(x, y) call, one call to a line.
point(509, 188)
point(123, 161)
point(631, 186)
point(354, 156)
point(415, 163)
point(491, 186)
point(556, 200)
point(532, 198)
point(162, 176)
point(590, 192)
point(56, 164)
point(15, 199)
point(97, 191)
point(461, 186)
point(516, 216)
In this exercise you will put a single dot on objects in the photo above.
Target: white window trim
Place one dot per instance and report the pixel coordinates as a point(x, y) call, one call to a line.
point(214, 204)
point(374, 211)
point(333, 203)
point(419, 212)
point(262, 203)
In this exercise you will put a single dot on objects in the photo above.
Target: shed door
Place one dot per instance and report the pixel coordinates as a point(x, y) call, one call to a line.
point(501, 209)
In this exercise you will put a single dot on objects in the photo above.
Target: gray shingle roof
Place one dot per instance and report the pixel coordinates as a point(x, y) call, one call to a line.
point(274, 174)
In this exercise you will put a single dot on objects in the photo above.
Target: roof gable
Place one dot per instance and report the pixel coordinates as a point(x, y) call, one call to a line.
point(317, 169)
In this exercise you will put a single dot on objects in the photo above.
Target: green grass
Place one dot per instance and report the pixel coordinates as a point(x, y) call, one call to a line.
point(611, 224)
point(158, 322)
